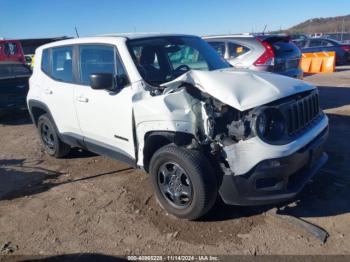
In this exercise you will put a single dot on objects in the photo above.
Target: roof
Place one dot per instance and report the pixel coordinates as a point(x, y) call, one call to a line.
point(247, 35)
point(244, 35)
point(107, 38)
point(141, 35)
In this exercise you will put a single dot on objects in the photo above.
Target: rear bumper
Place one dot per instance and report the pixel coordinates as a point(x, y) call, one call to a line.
point(278, 179)
point(295, 73)
point(13, 92)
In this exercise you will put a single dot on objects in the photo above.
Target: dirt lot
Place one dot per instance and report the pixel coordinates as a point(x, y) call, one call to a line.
point(88, 203)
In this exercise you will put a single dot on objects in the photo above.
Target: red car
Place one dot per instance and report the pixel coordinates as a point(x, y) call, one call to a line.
point(14, 75)
point(11, 51)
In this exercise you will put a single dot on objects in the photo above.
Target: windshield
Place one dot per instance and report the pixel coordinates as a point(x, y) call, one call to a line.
point(162, 59)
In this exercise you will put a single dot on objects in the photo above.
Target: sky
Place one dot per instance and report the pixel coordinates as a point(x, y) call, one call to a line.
point(51, 18)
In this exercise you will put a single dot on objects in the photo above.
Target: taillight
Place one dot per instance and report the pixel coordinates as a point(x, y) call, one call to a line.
point(268, 57)
point(346, 48)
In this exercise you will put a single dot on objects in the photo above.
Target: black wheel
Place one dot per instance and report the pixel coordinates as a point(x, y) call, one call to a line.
point(184, 182)
point(49, 138)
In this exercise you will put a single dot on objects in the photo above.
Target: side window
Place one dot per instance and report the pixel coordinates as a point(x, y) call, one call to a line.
point(236, 50)
point(45, 62)
point(327, 43)
point(300, 43)
point(61, 63)
point(315, 43)
point(96, 59)
point(183, 54)
point(219, 47)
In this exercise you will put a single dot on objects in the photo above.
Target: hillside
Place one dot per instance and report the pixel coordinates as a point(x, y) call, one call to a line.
point(322, 25)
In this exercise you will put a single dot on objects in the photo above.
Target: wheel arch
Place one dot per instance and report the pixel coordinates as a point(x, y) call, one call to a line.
point(36, 109)
point(154, 140)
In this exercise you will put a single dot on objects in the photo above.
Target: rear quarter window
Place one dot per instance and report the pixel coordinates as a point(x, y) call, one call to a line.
point(235, 50)
point(45, 61)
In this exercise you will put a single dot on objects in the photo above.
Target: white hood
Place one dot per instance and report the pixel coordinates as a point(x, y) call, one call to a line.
point(242, 89)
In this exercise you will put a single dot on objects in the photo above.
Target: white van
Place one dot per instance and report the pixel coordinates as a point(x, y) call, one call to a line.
point(169, 104)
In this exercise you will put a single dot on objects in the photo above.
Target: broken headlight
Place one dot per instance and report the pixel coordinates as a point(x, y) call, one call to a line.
point(270, 124)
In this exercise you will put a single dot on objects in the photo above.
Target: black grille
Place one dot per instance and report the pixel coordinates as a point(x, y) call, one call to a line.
point(302, 112)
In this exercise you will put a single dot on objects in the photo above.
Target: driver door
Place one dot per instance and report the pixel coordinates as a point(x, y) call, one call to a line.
point(105, 117)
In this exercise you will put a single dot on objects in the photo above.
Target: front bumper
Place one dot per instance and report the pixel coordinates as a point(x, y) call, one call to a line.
point(278, 179)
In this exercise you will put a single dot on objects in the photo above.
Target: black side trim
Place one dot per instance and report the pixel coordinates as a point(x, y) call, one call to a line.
point(98, 148)
point(109, 151)
point(121, 138)
point(73, 140)
point(79, 141)
point(39, 105)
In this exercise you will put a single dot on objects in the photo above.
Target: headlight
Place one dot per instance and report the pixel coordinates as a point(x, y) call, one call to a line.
point(270, 124)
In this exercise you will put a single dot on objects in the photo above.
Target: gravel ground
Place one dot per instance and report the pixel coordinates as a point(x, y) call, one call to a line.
point(88, 203)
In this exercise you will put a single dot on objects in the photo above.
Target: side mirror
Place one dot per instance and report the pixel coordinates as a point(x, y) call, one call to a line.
point(102, 81)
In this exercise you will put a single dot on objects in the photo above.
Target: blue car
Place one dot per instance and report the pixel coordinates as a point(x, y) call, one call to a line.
point(326, 45)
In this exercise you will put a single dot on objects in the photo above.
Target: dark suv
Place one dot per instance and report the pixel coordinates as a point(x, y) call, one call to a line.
point(13, 86)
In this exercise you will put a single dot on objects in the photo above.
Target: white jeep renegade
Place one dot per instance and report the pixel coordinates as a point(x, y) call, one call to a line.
point(170, 105)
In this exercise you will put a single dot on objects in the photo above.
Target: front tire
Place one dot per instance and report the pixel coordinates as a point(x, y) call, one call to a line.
point(49, 138)
point(184, 182)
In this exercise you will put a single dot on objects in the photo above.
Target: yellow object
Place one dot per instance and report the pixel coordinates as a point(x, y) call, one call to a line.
point(305, 62)
point(32, 64)
point(328, 63)
point(239, 49)
point(321, 62)
point(316, 63)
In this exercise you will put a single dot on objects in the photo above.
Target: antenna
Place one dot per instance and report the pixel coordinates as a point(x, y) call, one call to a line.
point(263, 32)
point(76, 31)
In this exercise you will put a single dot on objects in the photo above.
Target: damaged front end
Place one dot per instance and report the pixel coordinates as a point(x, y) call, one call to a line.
point(237, 105)
point(264, 148)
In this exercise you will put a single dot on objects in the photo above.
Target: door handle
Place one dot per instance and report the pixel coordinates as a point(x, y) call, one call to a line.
point(83, 99)
point(48, 91)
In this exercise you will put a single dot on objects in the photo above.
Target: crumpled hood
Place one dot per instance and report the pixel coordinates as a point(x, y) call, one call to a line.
point(240, 88)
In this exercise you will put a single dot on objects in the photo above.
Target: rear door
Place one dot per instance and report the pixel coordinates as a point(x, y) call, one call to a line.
point(57, 84)
point(287, 54)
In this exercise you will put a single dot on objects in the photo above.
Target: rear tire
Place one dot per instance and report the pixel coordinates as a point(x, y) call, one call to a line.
point(184, 182)
point(49, 138)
